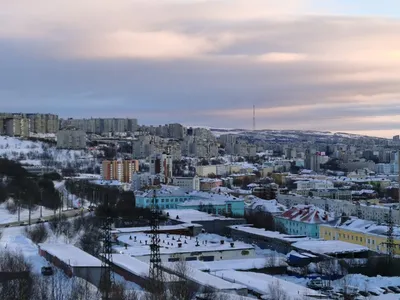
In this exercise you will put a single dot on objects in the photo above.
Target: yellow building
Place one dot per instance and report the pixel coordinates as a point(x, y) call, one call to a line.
point(361, 232)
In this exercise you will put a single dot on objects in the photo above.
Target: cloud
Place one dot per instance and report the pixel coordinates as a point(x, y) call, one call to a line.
point(206, 62)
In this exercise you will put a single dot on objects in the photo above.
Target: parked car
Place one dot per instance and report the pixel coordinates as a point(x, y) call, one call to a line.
point(40, 220)
point(47, 271)
point(23, 224)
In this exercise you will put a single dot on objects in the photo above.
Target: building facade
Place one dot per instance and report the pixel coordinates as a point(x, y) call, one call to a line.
point(71, 139)
point(304, 220)
point(361, 232)
point(120, 170)
point(187, 183)
point(161, 165)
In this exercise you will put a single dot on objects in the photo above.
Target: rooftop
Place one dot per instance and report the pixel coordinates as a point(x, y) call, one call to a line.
point(136, 266)
point(270, 234)
point(205, 279)
point(169, 244)
point(329, 247)
point(307, 214)
point(260, 283)
point(192, 215)
point(71, 255)
point(237, 264)
point(366, 226)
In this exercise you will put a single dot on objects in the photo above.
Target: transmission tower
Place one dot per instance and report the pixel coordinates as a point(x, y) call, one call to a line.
point(155, 272)
point(390, 240)
point(107, 276)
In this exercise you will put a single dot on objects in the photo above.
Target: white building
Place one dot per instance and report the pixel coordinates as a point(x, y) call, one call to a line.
point(71, 139)
point(187, 183)
point(339, 207)
point(204, 171)
point(314, 184)
point(161, 164)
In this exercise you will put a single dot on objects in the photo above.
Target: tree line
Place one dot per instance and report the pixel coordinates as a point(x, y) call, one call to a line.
point(26, 188)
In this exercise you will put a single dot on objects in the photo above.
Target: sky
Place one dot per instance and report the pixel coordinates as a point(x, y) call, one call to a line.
point(305, 64)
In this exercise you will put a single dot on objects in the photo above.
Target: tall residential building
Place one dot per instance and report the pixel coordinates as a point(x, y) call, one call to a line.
point(120, 170)
point(44, 123)
point(17, 126)
point(161, 164)
point(102, 125)
point(71, 139)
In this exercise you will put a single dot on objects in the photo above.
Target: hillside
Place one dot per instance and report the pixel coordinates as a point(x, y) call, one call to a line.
point(39, 153)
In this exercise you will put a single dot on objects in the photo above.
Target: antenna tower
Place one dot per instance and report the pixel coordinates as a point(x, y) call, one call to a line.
point(107, 276)
point(155, 272)
point(390, 240)
point(254, 117)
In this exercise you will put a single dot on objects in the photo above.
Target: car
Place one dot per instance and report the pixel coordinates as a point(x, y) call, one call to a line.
point(7, 225)
point(47, 271)
point(23, 224)
point(40, 220)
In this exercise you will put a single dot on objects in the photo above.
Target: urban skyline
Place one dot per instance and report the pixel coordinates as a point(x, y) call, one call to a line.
point(315, 65)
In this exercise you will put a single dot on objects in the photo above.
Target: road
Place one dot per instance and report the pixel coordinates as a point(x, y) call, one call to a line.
point(68, 213)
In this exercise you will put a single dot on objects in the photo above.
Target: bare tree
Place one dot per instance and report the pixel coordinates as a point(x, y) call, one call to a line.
point(272, 260)
point(21, 288)
point(184, 289)
point(276, 291)
point(37, 234)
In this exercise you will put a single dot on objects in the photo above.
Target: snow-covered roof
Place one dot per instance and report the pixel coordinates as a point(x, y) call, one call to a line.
point(237, 264)
point(260, 283)
point(272, 206)
point(148, 228)
point(363, 192)
point(366, 226)
point(270, 234)
point(136, 266)
point(205, 279)
point(307, 214)
point(329, 247)
point(71, 255)
point(192, 215)
point(169, 244)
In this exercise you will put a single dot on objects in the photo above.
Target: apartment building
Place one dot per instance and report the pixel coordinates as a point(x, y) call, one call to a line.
point(361, 232)
point(43, 123)
point(304, 220)
point(120, 170)
point(21, 124)
point(102, 125)
point(187, 183)
point(17, 126)
point(71, 139)
point(161, 164)
point(339, 207)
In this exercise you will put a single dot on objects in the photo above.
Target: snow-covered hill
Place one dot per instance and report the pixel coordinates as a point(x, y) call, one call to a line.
point(39, 153)
point(286, 133)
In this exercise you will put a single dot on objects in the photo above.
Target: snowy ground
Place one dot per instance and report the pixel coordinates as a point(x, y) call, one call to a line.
point(30, 152)
point(7, 217)
point(363, 283)
point(14, 239)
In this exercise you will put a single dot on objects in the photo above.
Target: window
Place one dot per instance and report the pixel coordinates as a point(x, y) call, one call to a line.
point(352, 238)
point(173, 259)
point(368, 241)
point(360, 239)
point(357, 238)
point(191, 258)
point(373, 242)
